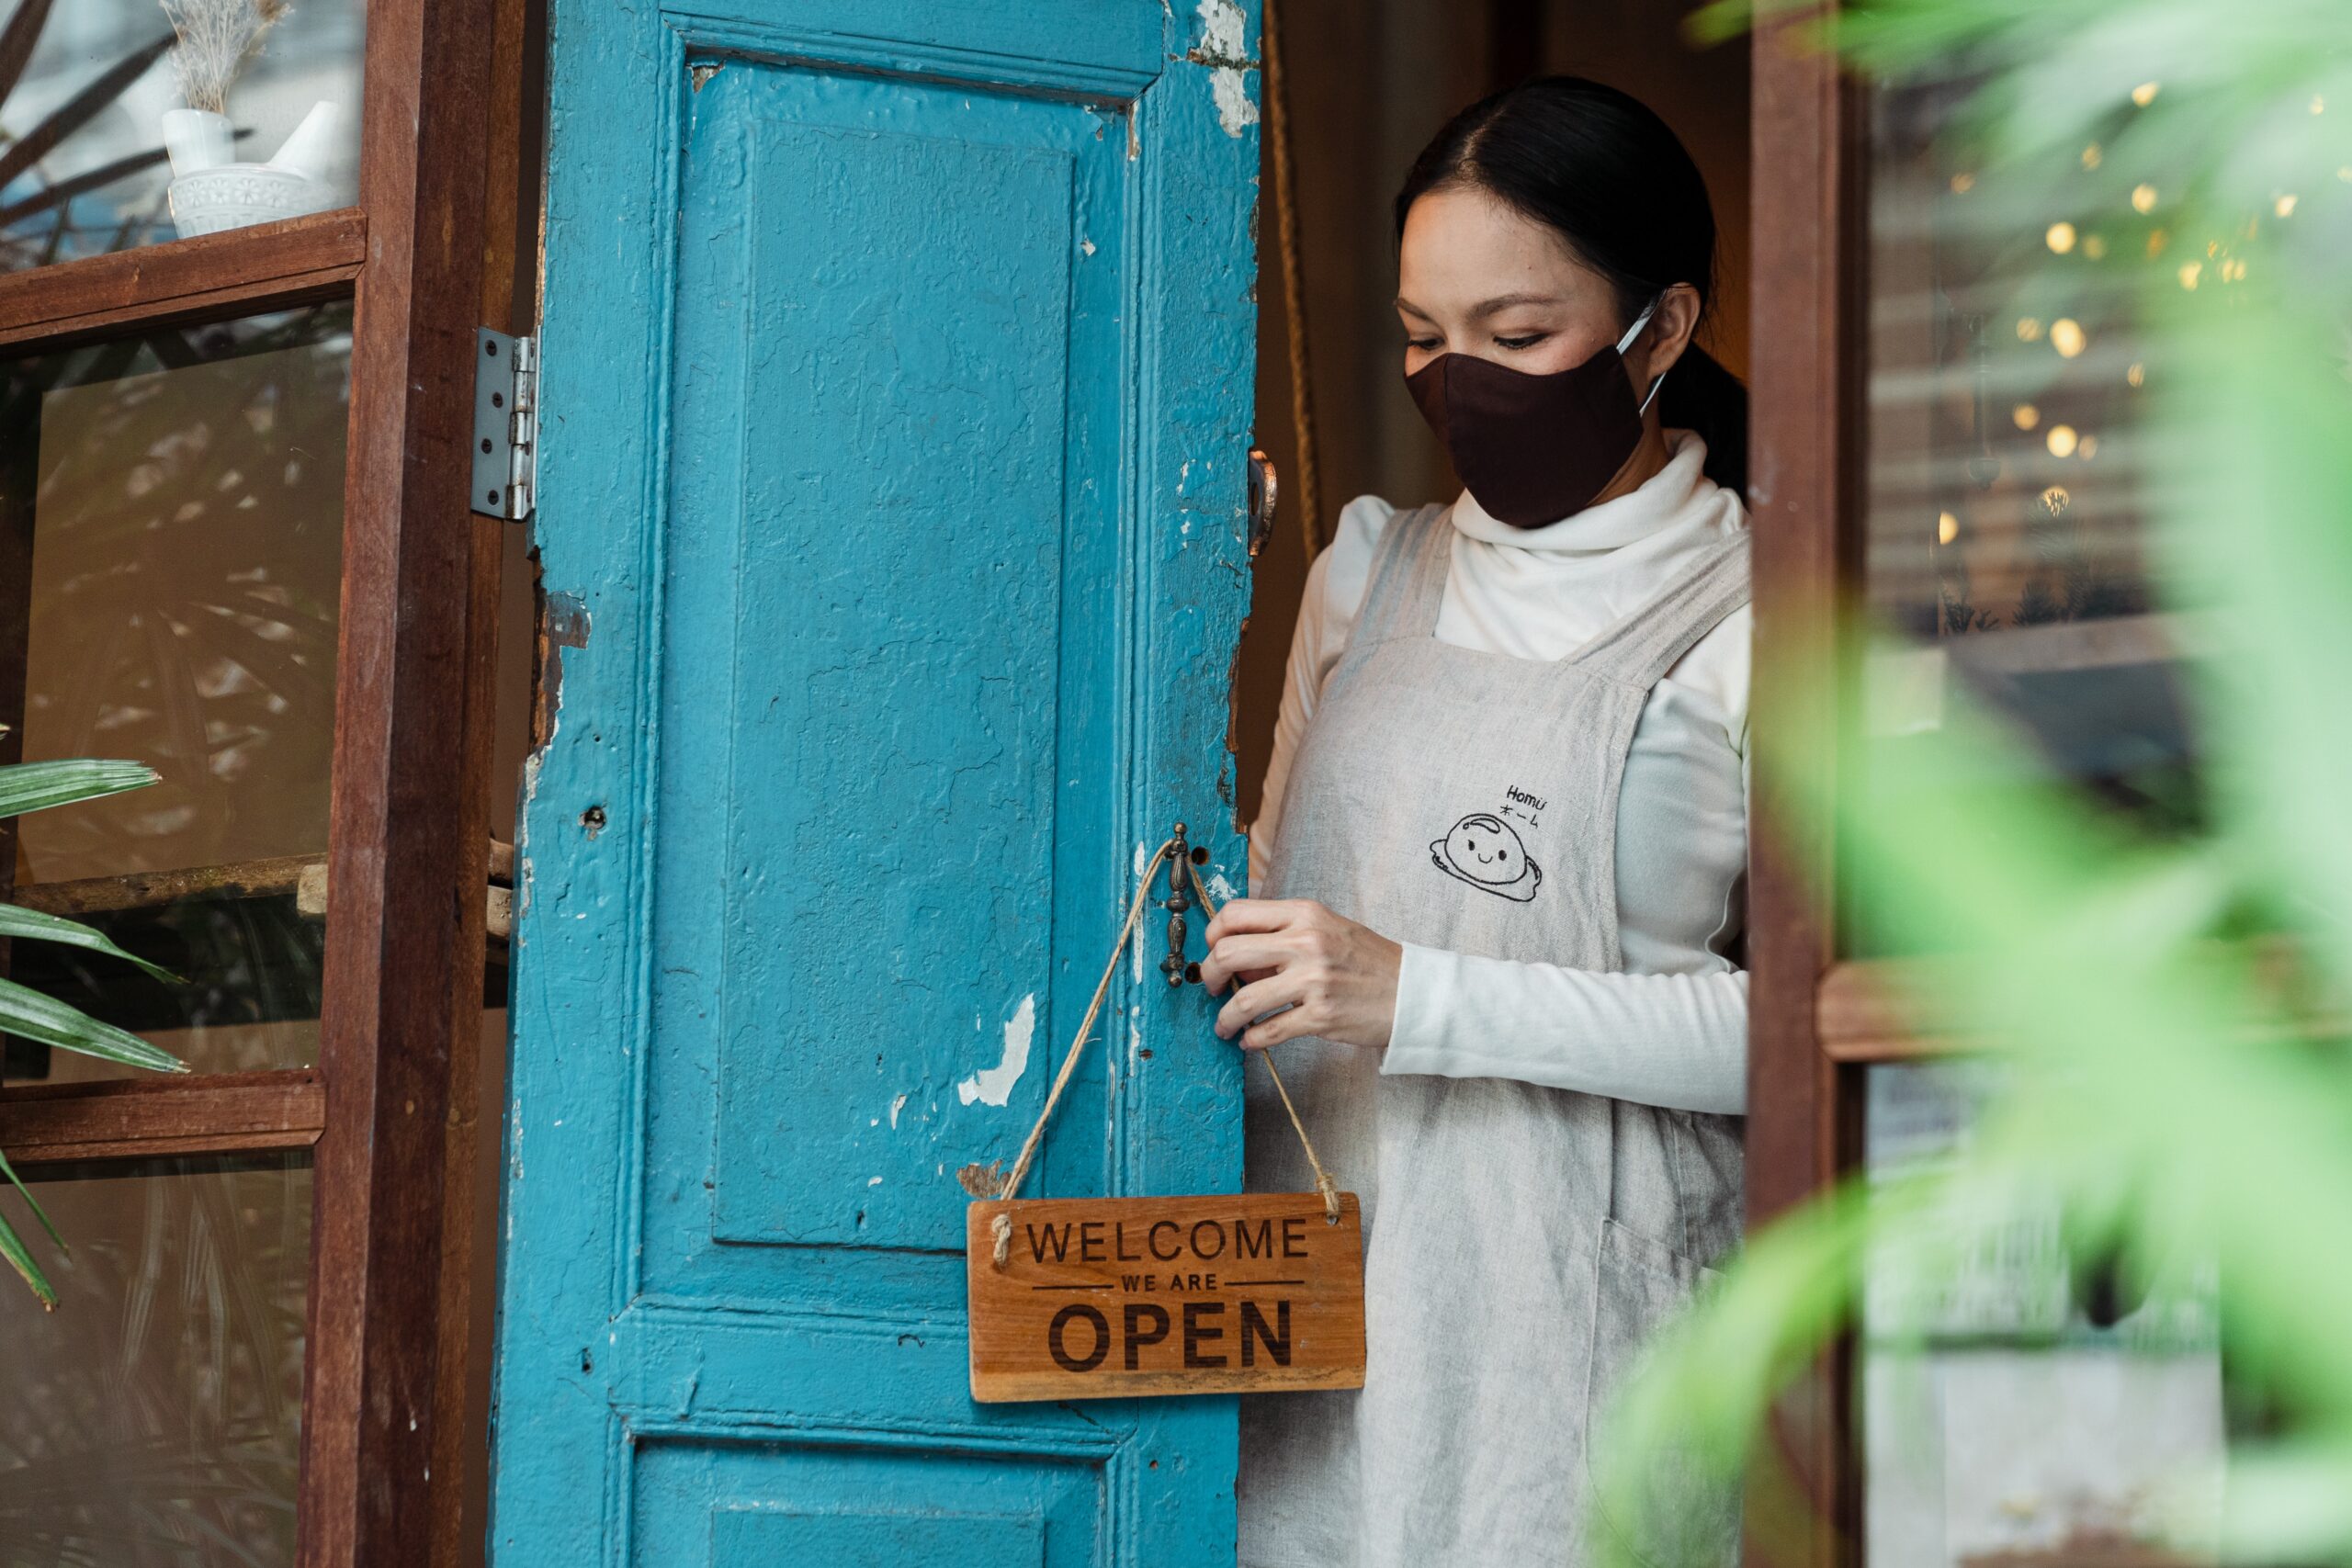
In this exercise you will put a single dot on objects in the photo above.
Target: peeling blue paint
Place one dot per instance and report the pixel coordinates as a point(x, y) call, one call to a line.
point(882, 385)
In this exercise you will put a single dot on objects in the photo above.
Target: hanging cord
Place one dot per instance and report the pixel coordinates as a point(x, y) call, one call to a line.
point(1000, 1229)
point(1323, 1182)
point(1302, 389)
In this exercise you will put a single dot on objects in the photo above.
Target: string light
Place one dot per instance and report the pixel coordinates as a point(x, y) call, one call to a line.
point(2061, 440)
point(2026, 415)
point(1947, 528)
point(2066, 335)
point(2284, 206)
point(2055, 500)
point(2059, 237)
point(2029, 329)
point(2145, 94)
point(2190, 273)
point(2144, 197)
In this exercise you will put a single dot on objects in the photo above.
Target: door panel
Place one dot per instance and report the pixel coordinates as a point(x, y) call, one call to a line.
point(895, 400)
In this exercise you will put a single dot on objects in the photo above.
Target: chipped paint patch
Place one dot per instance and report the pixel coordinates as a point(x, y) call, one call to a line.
point(981, 1180)
point(1221, 890)
point(993, 1086)
point(895, 1106)
point(1223, 48)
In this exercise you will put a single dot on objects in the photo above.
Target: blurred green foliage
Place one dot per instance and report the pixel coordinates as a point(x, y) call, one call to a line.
point(2166, 1009)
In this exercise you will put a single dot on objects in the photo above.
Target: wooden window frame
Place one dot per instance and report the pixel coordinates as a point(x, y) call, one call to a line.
point(388, 1112)
point(1805, 472)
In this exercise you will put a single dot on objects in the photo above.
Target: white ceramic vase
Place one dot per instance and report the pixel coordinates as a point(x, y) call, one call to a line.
point(209, 193)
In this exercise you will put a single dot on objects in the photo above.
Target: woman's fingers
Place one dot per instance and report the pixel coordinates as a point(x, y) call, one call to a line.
point(1240, 955)
point(1249, 1001)
point(1258, 915)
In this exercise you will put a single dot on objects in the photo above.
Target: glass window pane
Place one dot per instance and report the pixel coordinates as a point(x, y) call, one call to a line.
point(180, 498)
point(154, 1418)
point(84, 131)
point(2002, 1424)
point(2004, 548)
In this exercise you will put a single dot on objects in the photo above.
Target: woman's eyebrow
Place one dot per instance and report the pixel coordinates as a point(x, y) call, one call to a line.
point(1501, 302)
point(1498, 304)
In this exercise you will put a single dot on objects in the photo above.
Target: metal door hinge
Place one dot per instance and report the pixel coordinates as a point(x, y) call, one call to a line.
point(506, 423)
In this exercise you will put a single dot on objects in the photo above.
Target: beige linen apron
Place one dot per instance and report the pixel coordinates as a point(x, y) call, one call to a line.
point(1520, 1242)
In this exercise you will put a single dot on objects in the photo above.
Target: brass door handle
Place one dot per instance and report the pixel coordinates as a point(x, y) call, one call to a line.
point(1264, 488)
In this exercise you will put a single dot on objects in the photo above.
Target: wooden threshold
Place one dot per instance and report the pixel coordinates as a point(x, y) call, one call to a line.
point(269, 267)
point(148, 1116)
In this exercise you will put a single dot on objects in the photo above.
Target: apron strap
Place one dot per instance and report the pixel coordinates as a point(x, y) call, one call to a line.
point(1409, 567)
point(1642, 645)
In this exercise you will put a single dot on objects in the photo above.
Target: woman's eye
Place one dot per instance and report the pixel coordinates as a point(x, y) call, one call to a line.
point(1518, 343)
point(1426, 344)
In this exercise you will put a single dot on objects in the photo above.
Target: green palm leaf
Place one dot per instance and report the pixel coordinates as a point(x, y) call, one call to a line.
point(36, 786)
point(26, 1012)
point(16, 921)
point(12, 1248)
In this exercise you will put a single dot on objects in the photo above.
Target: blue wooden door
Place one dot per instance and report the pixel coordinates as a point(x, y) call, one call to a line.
point(896, 389)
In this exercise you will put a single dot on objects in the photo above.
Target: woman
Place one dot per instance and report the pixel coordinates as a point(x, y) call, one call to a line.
point(1505, 857)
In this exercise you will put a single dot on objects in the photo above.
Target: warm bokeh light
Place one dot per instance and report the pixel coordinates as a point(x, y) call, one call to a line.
point(2094, 246)
point(2144, 197)
point(1962, 183)
point(2026, 415)
point(2092, 156)
point(2055, 500)
point(2087, 448)
point(2061, 440)
point(2137, 374)
point(2190, 273)
point(2066, 335)
point(2029, 329)
point(2145, 94)
point(2284, 206)
point(2059, 237)
point(1947, 528)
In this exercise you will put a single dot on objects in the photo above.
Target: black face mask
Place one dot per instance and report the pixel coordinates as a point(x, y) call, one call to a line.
point(1534, 449)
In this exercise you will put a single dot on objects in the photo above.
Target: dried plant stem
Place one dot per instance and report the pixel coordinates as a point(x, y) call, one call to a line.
point(217, 37)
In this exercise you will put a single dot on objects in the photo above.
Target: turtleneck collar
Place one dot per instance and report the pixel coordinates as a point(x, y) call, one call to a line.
point(1663, 500)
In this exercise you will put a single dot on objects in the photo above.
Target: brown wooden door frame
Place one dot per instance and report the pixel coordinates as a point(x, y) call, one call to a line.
point(427, 254)
point(1803, 489)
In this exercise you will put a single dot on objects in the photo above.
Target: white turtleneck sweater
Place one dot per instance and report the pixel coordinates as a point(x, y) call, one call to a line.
point(1672, 1029)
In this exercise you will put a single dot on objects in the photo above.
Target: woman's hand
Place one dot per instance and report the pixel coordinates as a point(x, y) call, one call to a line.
point(1337, 979)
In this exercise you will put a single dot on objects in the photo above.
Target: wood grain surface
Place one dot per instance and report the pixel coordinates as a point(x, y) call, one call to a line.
point(1111, 1298)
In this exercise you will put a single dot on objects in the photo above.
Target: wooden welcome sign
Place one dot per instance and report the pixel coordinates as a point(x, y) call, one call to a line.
point(1109, 1298)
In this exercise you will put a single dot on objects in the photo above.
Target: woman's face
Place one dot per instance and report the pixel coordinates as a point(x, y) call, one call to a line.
point(1475, 276)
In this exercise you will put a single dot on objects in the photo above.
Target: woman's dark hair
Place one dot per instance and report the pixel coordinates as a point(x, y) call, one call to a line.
point(1604, 172)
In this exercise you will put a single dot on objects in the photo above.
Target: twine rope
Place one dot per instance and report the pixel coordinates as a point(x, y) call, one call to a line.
point(1323, 1182)
point(1000, 1228)
point(1302, 387)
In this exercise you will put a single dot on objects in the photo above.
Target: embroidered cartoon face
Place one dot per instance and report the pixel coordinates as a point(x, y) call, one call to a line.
point(1486, 852)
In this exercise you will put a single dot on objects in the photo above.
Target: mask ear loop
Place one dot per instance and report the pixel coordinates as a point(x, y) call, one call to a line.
point(1627, 341)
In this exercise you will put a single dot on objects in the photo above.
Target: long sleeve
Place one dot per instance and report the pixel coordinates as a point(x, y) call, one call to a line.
point(1679, 1040)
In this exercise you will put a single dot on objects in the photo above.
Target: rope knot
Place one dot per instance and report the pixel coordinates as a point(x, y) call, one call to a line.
point(1002, 1229)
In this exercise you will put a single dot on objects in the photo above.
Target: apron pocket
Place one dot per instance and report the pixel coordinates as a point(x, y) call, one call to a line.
point(1685, 1520)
